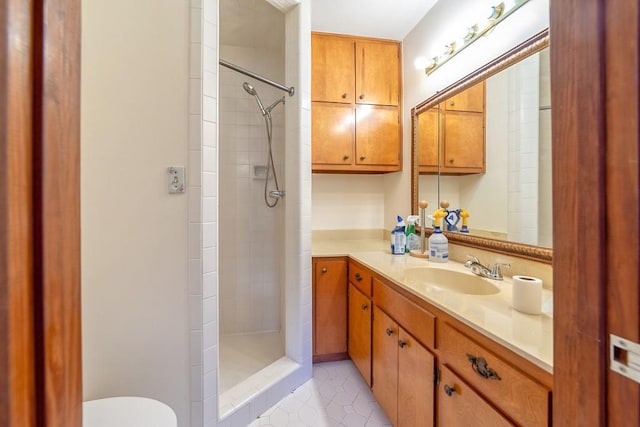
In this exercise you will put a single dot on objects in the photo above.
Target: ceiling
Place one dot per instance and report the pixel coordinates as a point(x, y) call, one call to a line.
point(386, 19)
point(259, 24)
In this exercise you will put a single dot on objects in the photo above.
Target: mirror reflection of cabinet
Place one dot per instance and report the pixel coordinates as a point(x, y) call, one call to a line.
point(453, 134)
point(510, 202)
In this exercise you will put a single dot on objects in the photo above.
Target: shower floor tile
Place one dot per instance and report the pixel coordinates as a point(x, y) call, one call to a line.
point(335, 396)
point(243, 355)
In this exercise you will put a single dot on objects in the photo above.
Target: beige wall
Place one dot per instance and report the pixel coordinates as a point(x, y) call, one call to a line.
point(134, 234)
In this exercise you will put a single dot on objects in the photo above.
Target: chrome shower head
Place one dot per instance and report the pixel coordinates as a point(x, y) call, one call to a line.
point(250, 90)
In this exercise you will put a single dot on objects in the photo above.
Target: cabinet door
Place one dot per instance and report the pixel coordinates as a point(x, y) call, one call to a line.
point(377, 135)
point(360, 332)
point(471, 99)
point(332, 69)
point(415, 383)
point(330, 307)
point(385, 363)
point(428, 138)
point(459, 405)
point(464, 143)
point(377, 73)
point(332, 133)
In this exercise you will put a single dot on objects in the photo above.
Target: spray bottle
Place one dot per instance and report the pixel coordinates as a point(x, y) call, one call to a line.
point(398, 238)
point(413, 241)
point(438, 242)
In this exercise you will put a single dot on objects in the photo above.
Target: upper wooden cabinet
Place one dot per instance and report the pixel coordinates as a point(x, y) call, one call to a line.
point(353, 70)
point(452, 135)
point(356, 123)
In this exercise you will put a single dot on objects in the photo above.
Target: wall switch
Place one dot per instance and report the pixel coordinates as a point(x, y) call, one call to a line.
point(176, 179)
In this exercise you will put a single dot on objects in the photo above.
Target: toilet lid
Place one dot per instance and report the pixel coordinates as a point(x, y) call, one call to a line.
point(127, 411)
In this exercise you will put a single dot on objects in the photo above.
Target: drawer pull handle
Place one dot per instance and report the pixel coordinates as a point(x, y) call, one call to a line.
point(324, 269)
point(364, 307)
point(358, 277)
point(345, 157)
point(480, 366)
point(389, 331)
point(402, 343)
point(344, 95)
point(449, 390)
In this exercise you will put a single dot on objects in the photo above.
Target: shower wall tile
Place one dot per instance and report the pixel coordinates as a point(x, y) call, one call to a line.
point(195, 130)
point(195, 168)
point(196, 25)
point(195, 203)
point(195, 60)
point(195, 99)
point(209, 110)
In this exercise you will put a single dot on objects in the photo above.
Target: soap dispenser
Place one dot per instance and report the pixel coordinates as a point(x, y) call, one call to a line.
point(438, 242)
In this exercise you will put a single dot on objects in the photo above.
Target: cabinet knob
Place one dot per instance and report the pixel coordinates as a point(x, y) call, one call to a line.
point(363, 157)
point(345, 157)
point(449, 390)
point(324, 269)
point(451, 161)
point(452, 103)
point(402, 343)
point(344, 95)
point(389, 331)
point(361, 96)
point(358, 277)
point(364, 307)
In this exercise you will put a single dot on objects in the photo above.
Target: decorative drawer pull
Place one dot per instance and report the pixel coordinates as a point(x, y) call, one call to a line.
point(480, 366)
point(324, 269)
point(389, 331)
point(449, 390)
point(345, 157)
point(344, 95)
point(358, 277)
point(364, 306)
point(362, 96)
point(402, 344)
point(363, 157)
point(452, 103)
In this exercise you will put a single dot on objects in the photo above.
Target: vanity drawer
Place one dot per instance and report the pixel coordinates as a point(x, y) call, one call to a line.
point(516, 394)
point(414, 319)
point(458, 405)
point(360, 277)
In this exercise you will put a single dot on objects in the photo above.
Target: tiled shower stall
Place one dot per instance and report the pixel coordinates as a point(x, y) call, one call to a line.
point(229, 225)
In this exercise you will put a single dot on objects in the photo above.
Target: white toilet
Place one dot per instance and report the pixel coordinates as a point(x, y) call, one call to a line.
point(127, 411)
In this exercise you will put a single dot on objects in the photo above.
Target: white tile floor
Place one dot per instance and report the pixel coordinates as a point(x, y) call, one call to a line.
point(335, 396)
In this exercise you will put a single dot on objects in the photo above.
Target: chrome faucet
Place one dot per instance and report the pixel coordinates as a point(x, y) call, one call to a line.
point(481, 270)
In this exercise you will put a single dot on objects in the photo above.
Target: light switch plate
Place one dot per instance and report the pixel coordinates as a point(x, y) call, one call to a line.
point(176, 179)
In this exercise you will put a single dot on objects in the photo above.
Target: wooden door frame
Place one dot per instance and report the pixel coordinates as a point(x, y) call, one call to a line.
point(595, 193)
point(40, 336)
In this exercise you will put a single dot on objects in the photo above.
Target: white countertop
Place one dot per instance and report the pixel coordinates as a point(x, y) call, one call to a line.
point(530, 336)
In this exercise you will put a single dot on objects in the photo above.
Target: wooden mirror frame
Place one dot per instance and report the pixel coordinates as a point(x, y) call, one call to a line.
point(518, 53)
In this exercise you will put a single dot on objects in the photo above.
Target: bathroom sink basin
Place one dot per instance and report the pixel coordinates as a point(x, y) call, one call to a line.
point(452, 280)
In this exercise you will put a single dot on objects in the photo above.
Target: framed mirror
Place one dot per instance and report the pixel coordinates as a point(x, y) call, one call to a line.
point(484, 145)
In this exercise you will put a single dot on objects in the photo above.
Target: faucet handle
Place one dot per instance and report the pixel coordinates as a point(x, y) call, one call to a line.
point(472, 260)
point(495, 270)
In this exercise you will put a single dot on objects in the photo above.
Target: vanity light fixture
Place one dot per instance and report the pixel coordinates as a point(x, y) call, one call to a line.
point(496, 14)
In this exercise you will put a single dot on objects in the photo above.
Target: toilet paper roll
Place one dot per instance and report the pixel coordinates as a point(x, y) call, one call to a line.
point(527, 294)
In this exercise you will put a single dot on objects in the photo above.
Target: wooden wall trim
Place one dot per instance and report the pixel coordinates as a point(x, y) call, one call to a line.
point(57, 207)
point(577, 63)
point(17, 379)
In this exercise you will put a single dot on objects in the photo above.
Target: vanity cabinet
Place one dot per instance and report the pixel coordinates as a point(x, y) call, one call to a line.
point(451, 137)
point(428, 368)
point(355, 109)
point(360, 321)
point(516, 394)
point(460, 406)
point(329, 309)
point(402, 374)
